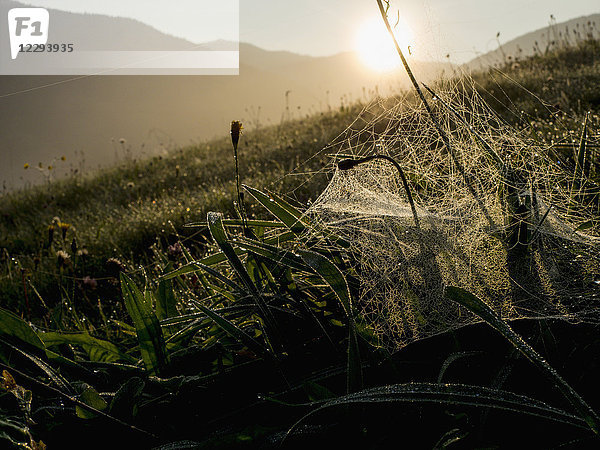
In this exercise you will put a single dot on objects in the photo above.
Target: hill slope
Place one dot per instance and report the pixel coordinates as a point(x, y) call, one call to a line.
point(120, 211)
point(83, 118)
point(540, 41)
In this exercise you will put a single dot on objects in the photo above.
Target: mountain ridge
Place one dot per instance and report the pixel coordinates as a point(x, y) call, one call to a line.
point(523, 45)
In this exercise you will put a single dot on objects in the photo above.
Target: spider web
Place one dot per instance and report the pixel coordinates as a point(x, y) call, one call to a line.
point(499, 214)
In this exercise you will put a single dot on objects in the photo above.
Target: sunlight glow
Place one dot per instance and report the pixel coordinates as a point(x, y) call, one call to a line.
point(375, 47)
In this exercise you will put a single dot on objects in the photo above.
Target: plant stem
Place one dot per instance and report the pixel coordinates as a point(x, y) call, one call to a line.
point(434, 119)
point(491, 152)
point(237, 182)
point(236, 128)
point(26, 296)
point(349, 163)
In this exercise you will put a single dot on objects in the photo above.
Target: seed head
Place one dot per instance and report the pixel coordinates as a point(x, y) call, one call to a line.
point(346, 164)
point(114, 267)
point(63, 259)
point(236, 128)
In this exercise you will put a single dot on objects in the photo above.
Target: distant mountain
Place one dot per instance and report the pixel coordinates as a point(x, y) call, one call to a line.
point(84, 118)
point(555, 34)
point(98, 32)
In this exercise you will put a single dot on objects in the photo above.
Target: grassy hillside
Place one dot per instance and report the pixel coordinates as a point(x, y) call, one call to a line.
point(540, 42)
point(118, 331)
point(562, 83)
point(122, 211)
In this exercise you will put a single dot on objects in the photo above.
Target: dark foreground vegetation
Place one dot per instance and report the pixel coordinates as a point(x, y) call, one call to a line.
point(119, 326)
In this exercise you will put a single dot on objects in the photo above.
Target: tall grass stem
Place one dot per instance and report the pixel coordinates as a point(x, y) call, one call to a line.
point(436, 124)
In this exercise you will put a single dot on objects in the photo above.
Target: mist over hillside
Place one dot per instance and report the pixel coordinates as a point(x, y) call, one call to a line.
point(98, 120)
point(84, 118)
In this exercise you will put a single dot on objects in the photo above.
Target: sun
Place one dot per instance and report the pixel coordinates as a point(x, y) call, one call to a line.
point(375, 47)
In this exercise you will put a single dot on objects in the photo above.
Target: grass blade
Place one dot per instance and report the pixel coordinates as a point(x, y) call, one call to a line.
point(166, 303)
point(215, 225)
point(275, 254)
point(240, 223)
point(290, 216)
point(218, 233)
point(330, 273)
point(582, 152)
point(147, 327)
point(450, 394)
point(56, 378)
point(12, 325)
point(197, 267)
point(285, 212)
point(98, 350)
point(235, 332)
point(354, 378)
point(478, 307)
point(90, 397)
point(220, 257)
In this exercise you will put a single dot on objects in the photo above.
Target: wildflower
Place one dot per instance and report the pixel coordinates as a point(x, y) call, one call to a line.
point(49, 167)
point(82, 252)
point(114, 266)
point(236, 128)
point(131, 185)
point(63, 158)
point(63, 259)
point(64, 227)
point(26, 166)
point(89, 282)
point(175, 250)
point(122, 141)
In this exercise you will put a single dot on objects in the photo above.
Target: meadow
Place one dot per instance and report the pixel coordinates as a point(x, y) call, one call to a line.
point(160, 304)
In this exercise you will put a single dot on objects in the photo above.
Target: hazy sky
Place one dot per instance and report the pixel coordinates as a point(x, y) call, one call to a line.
point(461, 28)
point(196, 20)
